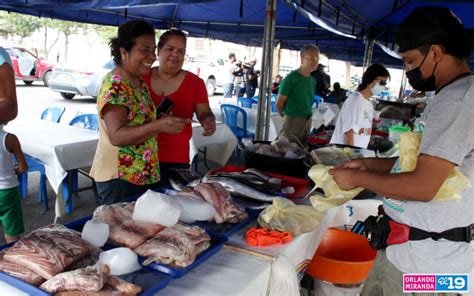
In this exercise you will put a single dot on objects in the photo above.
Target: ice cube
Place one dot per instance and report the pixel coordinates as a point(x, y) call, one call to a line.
point(120, 261)
point(158, 208)
point(96, 233)
point(194, 209)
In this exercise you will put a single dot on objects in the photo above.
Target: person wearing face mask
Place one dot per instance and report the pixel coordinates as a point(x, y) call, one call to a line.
point(438, 235)
point(354, 123)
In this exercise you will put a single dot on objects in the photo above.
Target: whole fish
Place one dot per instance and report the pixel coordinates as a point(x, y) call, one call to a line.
point(238, 188)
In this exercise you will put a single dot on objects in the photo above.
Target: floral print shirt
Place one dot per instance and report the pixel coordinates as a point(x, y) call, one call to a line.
point(137, 164)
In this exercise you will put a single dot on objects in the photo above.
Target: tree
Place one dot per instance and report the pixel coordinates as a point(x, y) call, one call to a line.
point(106, 32)
point(20, 24)
point(67, 28)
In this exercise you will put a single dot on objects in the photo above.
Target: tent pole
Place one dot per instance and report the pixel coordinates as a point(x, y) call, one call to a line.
point(264, 89)
point(369, 49)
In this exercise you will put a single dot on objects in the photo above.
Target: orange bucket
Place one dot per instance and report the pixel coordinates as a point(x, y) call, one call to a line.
point(342, 257)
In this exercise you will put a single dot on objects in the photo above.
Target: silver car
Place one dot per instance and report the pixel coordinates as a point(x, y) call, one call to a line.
point(70, 82)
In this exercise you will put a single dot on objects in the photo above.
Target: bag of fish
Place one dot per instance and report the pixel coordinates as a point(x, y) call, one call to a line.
point(284, 215)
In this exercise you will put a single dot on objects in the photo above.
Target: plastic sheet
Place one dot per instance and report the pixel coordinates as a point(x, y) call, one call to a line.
point(284, 215)
point(335, 196)
point(456, 181)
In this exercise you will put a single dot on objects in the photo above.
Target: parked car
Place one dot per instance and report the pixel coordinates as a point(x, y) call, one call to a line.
point(70, 81)
point(29, 66)
point(212, 71)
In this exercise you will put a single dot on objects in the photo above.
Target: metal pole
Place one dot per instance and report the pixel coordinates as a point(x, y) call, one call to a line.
point(369, 49)
point(264, 89)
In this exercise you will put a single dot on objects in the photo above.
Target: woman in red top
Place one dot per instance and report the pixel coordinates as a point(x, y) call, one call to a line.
point(189, 95)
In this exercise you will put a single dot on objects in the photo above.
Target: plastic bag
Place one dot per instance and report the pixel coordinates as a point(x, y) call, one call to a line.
point(335, 196)
point(284, 215)
point(456, 181)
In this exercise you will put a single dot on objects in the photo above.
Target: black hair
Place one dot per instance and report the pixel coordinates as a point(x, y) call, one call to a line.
point(171, 32)
point(231, 55)
point(371, 73)
point(127, 33)
point(336, 85)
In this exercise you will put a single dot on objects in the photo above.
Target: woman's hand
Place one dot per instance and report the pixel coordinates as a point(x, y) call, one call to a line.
point(209, 125)
point(171, 124)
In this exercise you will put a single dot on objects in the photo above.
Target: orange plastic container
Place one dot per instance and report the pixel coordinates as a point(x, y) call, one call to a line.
point(343, 257)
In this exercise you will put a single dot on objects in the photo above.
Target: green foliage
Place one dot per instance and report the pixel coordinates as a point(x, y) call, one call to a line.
point(105, 32)
point(65, 27)
point(20, 24)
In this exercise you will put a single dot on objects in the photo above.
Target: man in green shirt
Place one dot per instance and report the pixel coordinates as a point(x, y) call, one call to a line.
point(295, 96)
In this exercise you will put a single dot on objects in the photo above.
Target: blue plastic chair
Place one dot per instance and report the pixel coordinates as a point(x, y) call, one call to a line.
point(246, 102)
point(34, 165)
point(317, 100)
point(53, 114)
point(86, 121)
point(230, 115)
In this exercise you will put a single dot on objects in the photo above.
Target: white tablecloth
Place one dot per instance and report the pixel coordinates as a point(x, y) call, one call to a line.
point(61, 147)
point(219, 146)
point(326, 114)
point(251, 270)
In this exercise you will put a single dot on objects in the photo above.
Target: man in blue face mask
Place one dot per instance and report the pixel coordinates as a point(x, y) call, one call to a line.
point(435, 48)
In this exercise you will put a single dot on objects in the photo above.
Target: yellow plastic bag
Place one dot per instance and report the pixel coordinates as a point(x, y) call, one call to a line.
point(335, 196)
point(456, 181)
point(284, 215)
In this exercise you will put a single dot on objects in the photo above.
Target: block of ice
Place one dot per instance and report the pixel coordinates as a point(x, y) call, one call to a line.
point(120, 260)
point(96, 233)
point(194, 209)
point(158, 208)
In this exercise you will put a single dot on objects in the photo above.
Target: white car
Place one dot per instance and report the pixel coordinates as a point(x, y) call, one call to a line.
point(212, 71)
point(70, 82)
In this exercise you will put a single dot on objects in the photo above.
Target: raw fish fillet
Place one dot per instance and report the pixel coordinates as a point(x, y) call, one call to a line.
point(113, 287)
point(175, 246)
point(88, 260)
point(117, 284)
point(49, 250)
point(220, 198)
point(20, 272)
point(91, 278)
point(123, 230)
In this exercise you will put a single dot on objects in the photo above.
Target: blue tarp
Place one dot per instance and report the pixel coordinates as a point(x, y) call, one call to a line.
point(242, 21)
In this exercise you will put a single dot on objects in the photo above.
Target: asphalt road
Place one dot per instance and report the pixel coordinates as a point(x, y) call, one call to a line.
point(33, 99)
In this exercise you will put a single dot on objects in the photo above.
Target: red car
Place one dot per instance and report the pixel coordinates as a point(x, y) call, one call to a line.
point(29, 67)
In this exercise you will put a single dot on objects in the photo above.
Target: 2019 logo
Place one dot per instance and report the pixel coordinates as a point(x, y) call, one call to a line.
point(458, 283)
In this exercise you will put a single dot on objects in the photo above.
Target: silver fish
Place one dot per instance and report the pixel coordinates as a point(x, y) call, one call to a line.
point(238, 188)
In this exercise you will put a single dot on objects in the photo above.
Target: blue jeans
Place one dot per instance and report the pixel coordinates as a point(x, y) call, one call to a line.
point(250, 91)
point(228, 88)
point(118, 190)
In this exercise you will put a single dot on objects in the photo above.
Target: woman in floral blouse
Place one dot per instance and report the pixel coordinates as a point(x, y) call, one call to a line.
point(126, 161)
